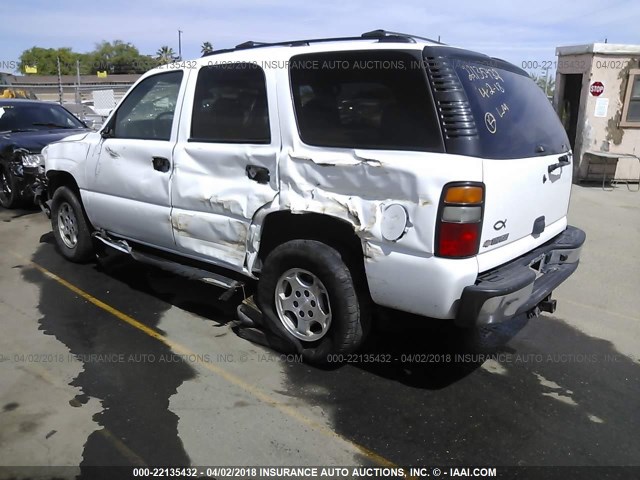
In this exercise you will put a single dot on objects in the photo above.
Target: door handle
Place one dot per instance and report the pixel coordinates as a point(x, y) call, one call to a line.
point(161, 164)
point(563, 161)
point(258, 174)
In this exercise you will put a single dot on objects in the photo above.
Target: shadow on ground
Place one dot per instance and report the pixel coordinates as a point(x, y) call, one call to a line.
point(535, 392)
point(9, 215)
point(130, 373)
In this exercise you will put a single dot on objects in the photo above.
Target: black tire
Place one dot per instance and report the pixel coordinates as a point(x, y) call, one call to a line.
point(65, 204)
point(9, 189)
point(348, 302)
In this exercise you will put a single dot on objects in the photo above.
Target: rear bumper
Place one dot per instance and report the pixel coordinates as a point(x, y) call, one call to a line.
point(522, 284)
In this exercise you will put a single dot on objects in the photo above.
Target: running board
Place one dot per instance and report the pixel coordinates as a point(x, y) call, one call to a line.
point(193, 273)
point(119, 245)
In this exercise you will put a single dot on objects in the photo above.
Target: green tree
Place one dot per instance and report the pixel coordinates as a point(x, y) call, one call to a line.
point(45, 59)
point(206, 48)
point(117, 57)
point(165, 55)
point(113, 57)
point(546, 83)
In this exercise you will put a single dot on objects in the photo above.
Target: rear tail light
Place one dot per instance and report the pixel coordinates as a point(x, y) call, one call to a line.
point(460, 220)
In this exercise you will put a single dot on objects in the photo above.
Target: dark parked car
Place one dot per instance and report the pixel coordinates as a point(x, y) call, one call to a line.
point(26, 127)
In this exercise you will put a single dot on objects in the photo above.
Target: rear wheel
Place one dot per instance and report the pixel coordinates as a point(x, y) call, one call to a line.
point(70, 226)
point(308, 294)
point(9, 194)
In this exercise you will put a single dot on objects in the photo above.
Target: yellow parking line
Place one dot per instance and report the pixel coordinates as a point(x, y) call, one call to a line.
point(221, 372)
point(123, 449)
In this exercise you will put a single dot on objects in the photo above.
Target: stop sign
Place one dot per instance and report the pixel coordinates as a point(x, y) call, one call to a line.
point(596, 89)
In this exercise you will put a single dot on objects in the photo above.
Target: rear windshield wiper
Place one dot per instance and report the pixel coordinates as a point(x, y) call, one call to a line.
point(52, 125)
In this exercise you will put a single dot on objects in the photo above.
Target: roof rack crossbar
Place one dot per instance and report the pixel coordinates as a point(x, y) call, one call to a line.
point(380, 33)
point(248, 44)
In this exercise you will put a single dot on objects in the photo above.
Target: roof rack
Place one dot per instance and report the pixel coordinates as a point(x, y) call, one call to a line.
point(380, 35)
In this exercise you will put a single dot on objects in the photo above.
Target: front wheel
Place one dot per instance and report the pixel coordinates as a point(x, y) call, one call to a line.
point(9, 188)
point(308, 294)
point(70, 226)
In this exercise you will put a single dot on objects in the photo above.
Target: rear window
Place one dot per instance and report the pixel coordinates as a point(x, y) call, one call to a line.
point(514, 117)
point(363, 99)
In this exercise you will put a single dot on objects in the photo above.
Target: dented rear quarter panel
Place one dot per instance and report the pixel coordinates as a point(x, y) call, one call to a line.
point(357, 187)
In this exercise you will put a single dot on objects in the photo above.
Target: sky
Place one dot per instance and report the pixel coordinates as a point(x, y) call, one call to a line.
point(521, 32)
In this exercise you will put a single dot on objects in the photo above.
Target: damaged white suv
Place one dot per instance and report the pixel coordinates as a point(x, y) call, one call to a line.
point(383, 169)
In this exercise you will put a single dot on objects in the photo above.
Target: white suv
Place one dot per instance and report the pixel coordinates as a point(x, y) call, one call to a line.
point(384, 168)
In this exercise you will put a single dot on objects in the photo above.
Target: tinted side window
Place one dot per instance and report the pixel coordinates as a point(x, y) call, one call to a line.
point(147, 112)
point(230, 105)
point(364, 99)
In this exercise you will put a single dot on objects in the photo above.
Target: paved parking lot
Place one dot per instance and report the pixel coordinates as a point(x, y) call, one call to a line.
point(122, 364)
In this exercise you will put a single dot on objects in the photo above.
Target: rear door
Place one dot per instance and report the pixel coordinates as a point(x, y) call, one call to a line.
point(225, 161)
point(523, 147)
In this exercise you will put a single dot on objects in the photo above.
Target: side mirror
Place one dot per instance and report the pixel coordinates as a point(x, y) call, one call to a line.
point(106, 132)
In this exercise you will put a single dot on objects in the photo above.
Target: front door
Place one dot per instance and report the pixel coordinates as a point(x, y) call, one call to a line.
point(129, 173)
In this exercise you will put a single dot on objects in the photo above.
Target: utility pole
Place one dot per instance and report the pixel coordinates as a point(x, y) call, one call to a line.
point(60, 93)
point(78, 97)
point(179, 45)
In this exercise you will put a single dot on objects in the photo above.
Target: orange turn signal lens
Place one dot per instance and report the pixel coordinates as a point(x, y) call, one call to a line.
point(465, 194)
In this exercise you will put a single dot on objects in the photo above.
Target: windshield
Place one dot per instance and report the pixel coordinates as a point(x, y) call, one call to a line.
point(513, 116)
point(36, 116)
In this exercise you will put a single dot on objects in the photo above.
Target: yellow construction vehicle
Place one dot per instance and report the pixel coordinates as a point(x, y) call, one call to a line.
point(16, 93)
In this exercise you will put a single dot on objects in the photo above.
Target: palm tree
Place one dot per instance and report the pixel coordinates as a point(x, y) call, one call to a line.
point(206, 48)
point(165, 54)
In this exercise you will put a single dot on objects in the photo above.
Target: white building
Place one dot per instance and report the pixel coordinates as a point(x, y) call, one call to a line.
point(598, 99)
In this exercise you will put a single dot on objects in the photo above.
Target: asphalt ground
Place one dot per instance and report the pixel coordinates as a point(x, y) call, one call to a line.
point(116, 363)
